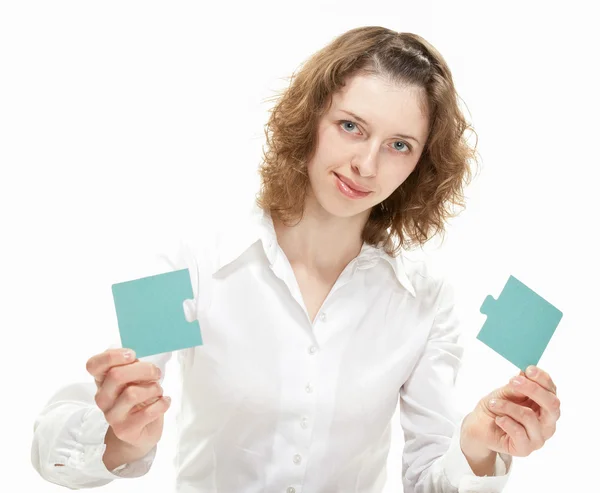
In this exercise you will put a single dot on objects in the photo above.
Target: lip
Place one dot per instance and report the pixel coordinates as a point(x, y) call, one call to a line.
point(347, 189)
point(351, 184)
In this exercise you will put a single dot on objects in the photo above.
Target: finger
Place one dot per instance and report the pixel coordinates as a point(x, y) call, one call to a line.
point(523, 415)
point(509, 392)
point(99, 364)
point(130, 429)
point(541, 377)
point(548, 401)
point(132, 399)
point(119, 377)
point(516, 433)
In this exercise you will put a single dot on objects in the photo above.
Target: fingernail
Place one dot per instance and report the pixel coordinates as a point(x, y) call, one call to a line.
point(128, 354)
point(493, 402)
point(516, 381)
point(531, 371)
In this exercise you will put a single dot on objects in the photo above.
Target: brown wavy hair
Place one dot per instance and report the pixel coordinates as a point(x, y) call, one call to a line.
point(417, 210)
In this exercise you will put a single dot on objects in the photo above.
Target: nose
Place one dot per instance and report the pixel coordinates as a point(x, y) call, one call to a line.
point(365, 163)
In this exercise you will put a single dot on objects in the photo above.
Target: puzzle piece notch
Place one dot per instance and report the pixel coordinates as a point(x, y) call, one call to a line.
point(519, 324)
point(189, 310)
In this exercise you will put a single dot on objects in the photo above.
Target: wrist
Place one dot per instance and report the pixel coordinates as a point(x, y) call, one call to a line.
point(478, 456)
point(119, 452)
point(481, 459)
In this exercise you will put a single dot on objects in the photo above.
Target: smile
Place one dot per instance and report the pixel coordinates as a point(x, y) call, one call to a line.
point(345, 188)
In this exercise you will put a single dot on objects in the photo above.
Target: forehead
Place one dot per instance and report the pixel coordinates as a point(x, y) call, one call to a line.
point(379, 100)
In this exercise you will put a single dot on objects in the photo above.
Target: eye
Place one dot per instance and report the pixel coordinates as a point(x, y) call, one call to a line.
point(345, 127)
point(348, 126)
point(404, 144)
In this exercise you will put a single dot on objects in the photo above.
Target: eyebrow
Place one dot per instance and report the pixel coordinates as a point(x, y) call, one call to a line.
point(356, 117)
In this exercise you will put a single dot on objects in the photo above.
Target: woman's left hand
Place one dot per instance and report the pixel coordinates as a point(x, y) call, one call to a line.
point(515, 419)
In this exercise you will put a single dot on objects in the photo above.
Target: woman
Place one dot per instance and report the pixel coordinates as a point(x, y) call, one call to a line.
point(315, 319)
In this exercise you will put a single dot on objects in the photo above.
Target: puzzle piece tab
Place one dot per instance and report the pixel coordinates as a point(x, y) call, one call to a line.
point(519, 324)
point(151, 313)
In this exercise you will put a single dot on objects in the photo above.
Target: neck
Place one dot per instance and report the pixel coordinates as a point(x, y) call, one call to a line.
point(321, 242)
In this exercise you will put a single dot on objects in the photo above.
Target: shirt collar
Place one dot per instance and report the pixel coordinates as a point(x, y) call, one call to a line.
point(370, 255)
point(257, 225)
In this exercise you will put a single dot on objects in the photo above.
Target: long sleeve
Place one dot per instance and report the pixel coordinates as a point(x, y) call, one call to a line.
point(432, 459)
point(68, 438)
point(68, 434)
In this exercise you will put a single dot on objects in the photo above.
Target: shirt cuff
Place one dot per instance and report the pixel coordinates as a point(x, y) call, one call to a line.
point(90, 447)
point(461, 476)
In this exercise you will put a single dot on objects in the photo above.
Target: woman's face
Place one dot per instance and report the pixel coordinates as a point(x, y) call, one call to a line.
point(358, 164)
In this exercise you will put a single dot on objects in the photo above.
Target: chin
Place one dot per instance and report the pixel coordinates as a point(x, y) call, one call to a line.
point(343, 208)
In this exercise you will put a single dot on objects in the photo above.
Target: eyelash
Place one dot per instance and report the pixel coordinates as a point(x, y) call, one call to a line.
point(341, 122)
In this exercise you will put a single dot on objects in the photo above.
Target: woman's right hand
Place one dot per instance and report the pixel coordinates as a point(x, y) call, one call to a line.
point(131, 398)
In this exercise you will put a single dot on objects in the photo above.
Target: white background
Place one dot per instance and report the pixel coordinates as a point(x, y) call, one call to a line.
point(122, 123)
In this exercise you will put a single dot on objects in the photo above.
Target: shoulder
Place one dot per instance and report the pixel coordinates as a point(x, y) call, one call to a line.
point(196, 248)
point(211, 240)
point(429, 277)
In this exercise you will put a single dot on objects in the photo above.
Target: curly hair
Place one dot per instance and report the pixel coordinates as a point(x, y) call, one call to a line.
point(417, 210)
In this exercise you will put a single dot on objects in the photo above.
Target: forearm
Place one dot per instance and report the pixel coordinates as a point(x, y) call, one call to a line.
point(68, 436)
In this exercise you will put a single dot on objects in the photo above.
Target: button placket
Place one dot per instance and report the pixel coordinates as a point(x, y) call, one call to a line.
point(305, 412)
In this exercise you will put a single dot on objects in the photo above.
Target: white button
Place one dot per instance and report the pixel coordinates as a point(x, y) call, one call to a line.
point(323, 317)
point(304, 423)
point(291, 489)
point(309, 388)
point(312, 350)
point(297, 459)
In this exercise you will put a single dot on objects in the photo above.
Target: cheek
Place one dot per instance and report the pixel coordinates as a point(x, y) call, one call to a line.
point(331, 152)
point(319, 165)
point(392, 180)
point(314, 171)
point(313, 167)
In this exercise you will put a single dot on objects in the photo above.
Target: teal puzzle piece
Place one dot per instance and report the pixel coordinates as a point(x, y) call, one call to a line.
point(519, 324)
point(151, 314)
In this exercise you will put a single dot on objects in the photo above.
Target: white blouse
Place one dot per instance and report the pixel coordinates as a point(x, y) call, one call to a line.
point(274, 403)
